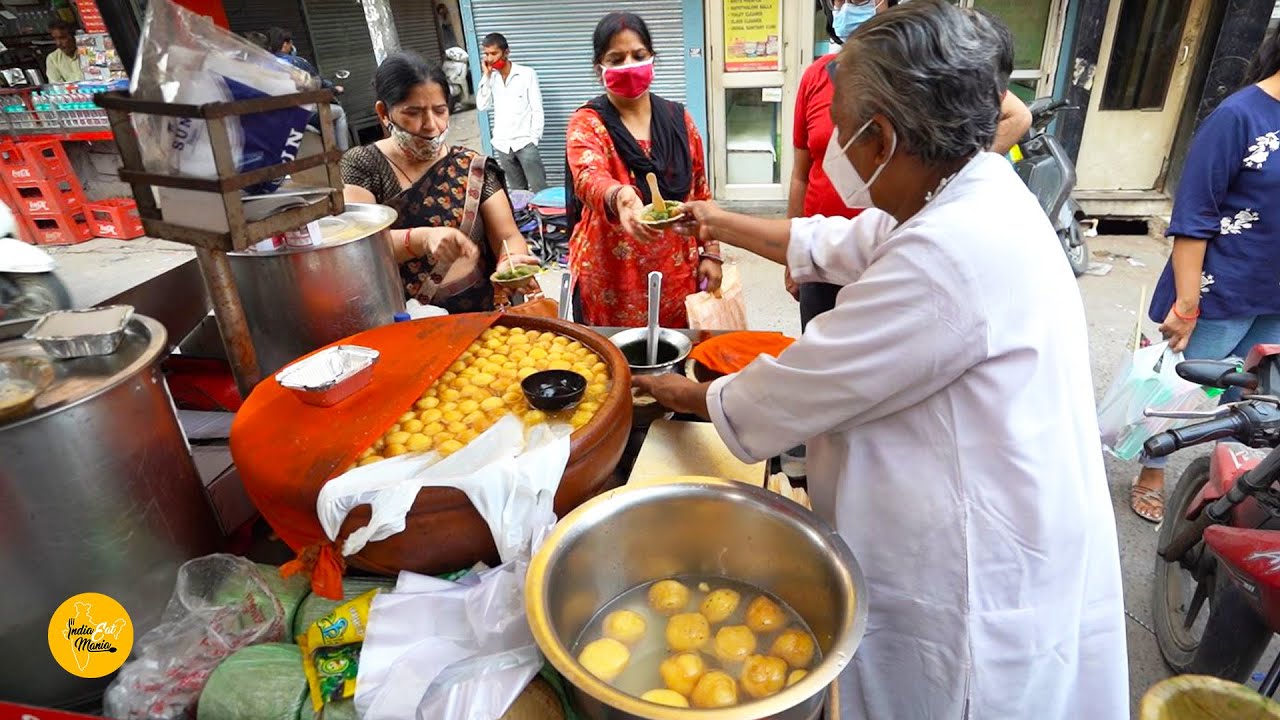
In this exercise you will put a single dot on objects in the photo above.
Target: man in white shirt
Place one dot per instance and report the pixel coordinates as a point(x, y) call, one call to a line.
point(511, 91)
point(63, 64)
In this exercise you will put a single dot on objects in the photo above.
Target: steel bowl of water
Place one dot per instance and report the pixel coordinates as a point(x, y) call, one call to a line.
point(681, 527)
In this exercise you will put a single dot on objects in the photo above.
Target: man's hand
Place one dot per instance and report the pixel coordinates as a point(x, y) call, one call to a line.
point(792, 288)
point(674, 392)
point(486, 67)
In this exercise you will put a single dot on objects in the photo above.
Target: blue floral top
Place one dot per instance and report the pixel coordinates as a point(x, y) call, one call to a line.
point(1230, 196)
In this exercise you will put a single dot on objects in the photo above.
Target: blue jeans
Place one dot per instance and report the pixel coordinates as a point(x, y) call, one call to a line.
point(1222, 339)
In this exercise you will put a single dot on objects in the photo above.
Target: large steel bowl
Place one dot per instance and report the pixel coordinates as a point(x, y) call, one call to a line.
point(444, 531)
point(695, 526)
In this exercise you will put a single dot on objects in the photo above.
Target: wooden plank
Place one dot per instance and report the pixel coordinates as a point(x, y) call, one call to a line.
point(236, 182)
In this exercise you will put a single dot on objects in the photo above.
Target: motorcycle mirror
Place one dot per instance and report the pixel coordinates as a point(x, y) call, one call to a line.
point(342, 74)
point(1216, 373)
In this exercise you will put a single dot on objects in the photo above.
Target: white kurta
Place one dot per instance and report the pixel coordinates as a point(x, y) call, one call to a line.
point(954, 445)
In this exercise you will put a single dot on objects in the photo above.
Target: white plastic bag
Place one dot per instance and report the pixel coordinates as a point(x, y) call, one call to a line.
point(220, 603)
point(511, 480)
point(1147, 379)
point(448, 650)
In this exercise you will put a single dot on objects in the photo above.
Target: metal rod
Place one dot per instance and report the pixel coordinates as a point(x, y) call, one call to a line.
point(231, 319)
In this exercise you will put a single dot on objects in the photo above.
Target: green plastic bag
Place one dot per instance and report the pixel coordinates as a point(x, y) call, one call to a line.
point(260, 682)
point(316, 607)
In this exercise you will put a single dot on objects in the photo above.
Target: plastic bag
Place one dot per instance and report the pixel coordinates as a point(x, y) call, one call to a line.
point(437, 649)
point(185, 58)
point(724, 309)
point(511, 479)
point(1147, 379)
point(220, 603)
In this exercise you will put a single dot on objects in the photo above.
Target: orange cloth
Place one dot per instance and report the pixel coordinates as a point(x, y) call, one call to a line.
point(731, 352)
point(286, 450)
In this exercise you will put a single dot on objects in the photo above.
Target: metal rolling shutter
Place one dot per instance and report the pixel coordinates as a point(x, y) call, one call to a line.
point(260, 15)
point(554, 38)
point(416, 27)
point(340, 35)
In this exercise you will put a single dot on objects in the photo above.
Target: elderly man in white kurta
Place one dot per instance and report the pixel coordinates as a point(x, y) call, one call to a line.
point(947, 398)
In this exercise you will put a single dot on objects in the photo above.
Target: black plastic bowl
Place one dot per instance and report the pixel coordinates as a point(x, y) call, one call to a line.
point(553, 390)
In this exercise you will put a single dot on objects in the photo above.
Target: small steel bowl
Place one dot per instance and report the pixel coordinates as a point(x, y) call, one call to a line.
point(553, 390)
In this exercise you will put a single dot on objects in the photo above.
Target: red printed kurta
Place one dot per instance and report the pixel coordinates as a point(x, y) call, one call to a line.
point(611, 268)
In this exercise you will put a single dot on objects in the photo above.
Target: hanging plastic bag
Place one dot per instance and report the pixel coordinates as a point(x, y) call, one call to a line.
point(220, 603)
point(184, 58)
point(1148, 378)
point(724, 309)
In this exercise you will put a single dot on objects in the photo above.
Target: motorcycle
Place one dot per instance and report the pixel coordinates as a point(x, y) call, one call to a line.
point(28, 285)
point(1044, 166)
point(1216, 594)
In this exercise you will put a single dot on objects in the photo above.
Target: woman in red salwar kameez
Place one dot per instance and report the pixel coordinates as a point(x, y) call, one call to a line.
point(613, 143)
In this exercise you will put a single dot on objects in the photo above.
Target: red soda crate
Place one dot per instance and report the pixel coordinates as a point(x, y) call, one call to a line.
point(46, 198)
point(13, 166)
point(115, 218)
point(60, 230)
point(46, 159)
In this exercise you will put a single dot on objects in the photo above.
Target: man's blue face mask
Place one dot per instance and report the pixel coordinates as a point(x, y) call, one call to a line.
point(850, 16)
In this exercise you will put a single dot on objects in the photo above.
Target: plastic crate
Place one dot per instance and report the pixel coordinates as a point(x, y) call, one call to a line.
point(47, 158)
point(13, 165)
point(47, 198)
point(60, 230)
point(115, 218)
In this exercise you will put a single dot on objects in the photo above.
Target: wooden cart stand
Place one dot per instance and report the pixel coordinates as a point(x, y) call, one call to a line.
point(212, 246)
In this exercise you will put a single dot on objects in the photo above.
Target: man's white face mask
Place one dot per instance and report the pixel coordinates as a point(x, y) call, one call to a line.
point(853, 190)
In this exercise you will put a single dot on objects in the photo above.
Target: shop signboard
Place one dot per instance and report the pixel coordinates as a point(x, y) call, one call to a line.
point(752, 35)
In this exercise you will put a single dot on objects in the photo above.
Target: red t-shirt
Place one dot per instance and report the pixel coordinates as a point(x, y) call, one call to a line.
point(813, 128)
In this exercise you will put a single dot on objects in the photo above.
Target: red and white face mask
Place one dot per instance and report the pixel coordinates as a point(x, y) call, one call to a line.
point(628, 81)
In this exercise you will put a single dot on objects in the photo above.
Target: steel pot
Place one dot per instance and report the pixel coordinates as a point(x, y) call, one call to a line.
point(299, 299)
point(634, 341)
point(98, 493)
point(694, 526)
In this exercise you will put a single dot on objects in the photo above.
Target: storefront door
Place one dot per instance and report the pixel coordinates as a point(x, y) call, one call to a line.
point(1148, 50)
point(758, 50)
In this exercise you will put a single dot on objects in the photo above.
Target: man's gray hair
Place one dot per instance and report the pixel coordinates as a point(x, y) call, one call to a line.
point(930, 68)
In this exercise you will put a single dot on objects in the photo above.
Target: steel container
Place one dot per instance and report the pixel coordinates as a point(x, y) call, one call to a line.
point(299, 299)
point(695, 526)
point(98, 493)
point(636, 339)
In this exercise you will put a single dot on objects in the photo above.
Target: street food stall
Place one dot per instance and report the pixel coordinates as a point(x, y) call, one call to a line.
point(474, 515)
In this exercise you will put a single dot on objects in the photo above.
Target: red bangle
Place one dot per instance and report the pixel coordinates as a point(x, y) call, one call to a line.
point(408, 250)
point(1180, 316)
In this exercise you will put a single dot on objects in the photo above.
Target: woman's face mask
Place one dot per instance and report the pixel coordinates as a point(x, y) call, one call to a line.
point(417, 147)
point(844, 177)
point(628, 81)
point(850, 16)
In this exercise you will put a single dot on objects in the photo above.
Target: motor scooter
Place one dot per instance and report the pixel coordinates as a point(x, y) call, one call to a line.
point(1044, 166)
point(1216, 591)
point(28, 285)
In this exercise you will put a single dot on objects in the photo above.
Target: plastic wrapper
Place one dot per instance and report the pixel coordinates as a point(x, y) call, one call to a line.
point(263, 682)
point(184, 58)
point(220, 604)
point(330, 652)
point(1147, 379)
point(724, 309)
point(315, 607)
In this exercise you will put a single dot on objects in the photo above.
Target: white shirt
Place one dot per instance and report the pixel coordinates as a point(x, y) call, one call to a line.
point(517, 107)
point(955, 447)
point(60, 67)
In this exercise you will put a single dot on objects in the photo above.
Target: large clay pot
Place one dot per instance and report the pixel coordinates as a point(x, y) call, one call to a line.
point(444, 532)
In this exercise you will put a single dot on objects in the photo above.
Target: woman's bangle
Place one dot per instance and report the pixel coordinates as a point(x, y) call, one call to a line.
point(408, 248)
point(1180, 316)
point(711, 256)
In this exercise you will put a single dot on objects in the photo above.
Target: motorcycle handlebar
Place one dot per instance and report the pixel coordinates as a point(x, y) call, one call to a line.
point(1234, 425)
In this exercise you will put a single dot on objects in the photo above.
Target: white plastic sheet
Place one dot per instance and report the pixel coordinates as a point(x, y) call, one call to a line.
point(511, 479)
point(1147, 379)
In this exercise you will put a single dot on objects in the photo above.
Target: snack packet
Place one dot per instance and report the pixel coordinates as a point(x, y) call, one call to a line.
point(329, 653)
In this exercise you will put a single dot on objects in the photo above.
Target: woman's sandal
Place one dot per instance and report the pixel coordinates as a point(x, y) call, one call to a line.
point(1151, 497)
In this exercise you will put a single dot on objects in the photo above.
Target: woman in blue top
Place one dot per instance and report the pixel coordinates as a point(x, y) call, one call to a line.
point(1220, 292)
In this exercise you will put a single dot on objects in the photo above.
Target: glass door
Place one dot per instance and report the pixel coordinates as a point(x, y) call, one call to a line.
point(754, 69)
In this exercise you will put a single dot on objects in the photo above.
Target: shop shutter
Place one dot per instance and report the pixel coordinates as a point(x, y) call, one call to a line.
point(417, 29)
point(554, 38)
point(340, 35)
point(261, 15)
